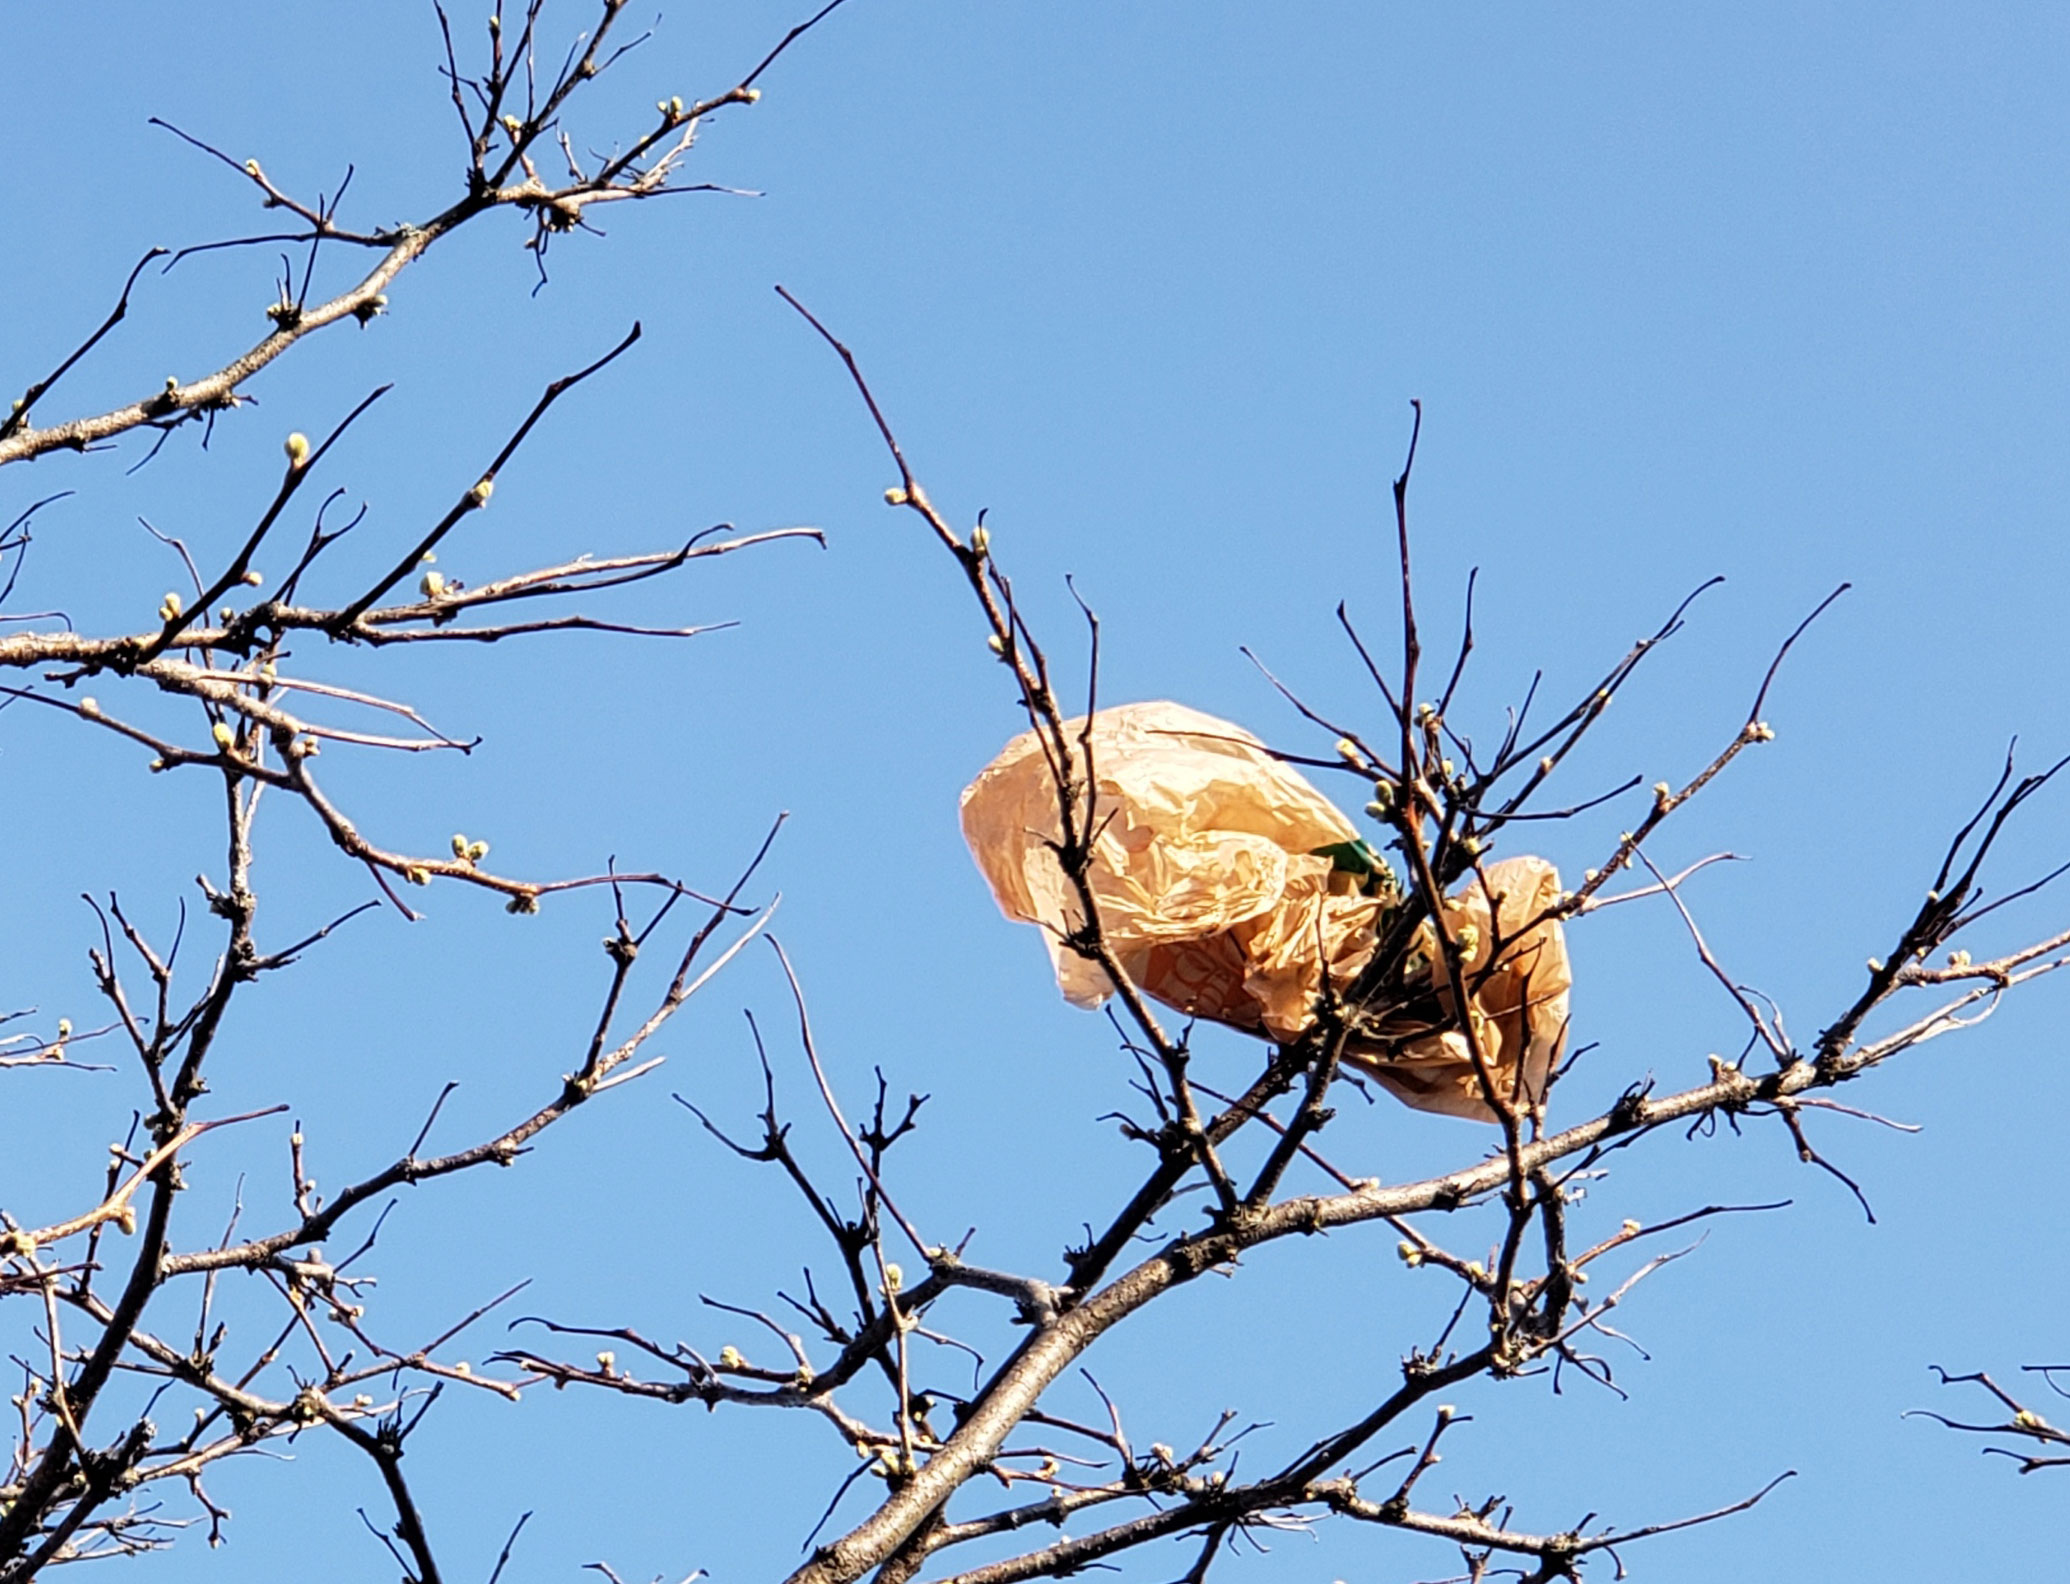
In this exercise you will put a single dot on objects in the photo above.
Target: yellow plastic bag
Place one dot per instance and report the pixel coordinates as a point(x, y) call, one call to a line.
point(1214, 899)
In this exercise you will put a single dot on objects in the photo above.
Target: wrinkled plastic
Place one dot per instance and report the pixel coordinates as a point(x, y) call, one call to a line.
point(1214, 898)
point(1517, 978)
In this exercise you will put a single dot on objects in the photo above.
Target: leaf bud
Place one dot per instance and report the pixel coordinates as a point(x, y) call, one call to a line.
point(90, 708)
point(224, 736)
point(170, 607)
point(896, 496)
point(254, 577)
point(729, 1358)
point(64, 1028)
point(605, 1359)
point(483, 489)
point(297, 449)
point(433, 584)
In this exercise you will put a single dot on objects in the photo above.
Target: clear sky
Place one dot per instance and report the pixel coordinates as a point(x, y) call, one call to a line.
point(1772, 291)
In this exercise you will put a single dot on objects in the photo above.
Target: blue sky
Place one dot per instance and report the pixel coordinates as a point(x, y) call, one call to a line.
point(1767, 291)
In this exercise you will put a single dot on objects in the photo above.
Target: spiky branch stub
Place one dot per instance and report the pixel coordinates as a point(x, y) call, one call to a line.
point(238, 659)
point(510, 115)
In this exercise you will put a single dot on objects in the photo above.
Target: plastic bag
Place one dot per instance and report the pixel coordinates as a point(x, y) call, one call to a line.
point(1518, 1001)
point(1220, 894)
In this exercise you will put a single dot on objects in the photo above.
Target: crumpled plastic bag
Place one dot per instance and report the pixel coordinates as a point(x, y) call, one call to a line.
point(1518, 1003)
point(1227, 888)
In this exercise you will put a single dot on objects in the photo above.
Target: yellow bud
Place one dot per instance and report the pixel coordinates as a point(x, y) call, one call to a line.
point(729, 1358)
point(254, 577)
point(894, 1278)
point(90, 707)
point(463, 1368)
point(224, 736)
point(417, 874)
point(895, 496)
point(297, 448)
point(1956, 959)
point(477, 851)
point(433, 584)
point(126, 1219)
point(482, 490)
point(1662, 791)
point(675, 106)
point(2027, 1419)
point(170, 607)
point(251, 167)
point(64, 1028)
point(1631, 1229)
point(605, 1360)
point(996, 644)
point(752, 95)
point(459, 845)
point(981, 539)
